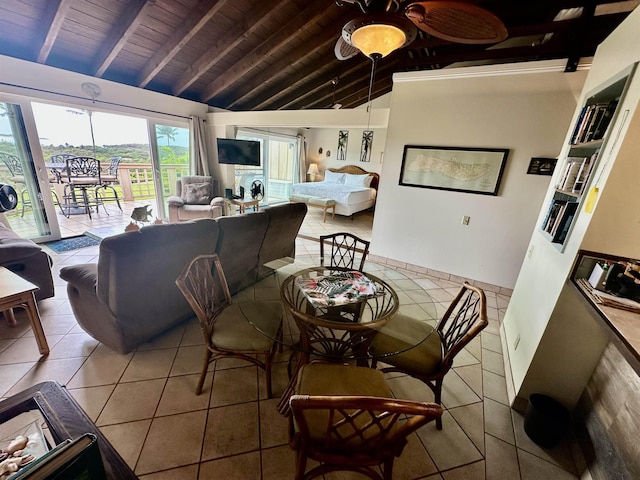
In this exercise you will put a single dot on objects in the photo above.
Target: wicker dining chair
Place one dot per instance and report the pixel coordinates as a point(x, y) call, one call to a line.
point(346, 418)
point(430, 361)
point(230, 330)
point(343, 250)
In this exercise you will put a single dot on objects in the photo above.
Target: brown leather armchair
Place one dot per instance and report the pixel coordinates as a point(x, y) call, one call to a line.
point(195, 198)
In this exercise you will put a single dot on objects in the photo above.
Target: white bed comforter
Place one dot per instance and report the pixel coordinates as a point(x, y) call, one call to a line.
point(344, 194)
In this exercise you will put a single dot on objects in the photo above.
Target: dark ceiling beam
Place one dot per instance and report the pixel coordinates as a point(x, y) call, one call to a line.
point(323, 83)
point(546, 50)
point(51, 23)
point(346, 85)
point(578, 35)
point(224, 45)
point(271, 73)
point(358, 94)
point(359, 97)
point(310, 79)
point(603, 22)
point(198, 18)
point(268, 97)
point(268, 48)
point(119, 35)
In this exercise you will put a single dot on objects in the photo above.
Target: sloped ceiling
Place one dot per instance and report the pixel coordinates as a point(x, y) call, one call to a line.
point(247, 55)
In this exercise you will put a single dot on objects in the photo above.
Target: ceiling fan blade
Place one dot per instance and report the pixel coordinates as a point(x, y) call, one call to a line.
point(344, 50)
point(457, 21)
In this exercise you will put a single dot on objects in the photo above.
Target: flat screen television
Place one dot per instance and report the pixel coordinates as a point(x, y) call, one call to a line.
point(238, 152)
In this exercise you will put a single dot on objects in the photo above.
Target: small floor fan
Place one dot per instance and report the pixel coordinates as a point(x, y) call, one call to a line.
point(257, 190)
point(8, 198)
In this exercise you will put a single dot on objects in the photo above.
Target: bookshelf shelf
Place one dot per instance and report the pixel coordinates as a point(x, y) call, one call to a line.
point(575, 169)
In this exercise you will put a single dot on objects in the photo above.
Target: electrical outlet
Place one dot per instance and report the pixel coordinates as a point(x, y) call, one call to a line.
point(465, 220)
point(516, 342)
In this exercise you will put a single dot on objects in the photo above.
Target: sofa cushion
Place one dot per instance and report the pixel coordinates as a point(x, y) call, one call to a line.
point(238, 247)
point(280, 239)
point(14, 248)
point(197, 193)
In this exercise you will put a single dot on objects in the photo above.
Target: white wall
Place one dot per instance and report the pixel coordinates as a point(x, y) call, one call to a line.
point(543, 312)
point(525, 108)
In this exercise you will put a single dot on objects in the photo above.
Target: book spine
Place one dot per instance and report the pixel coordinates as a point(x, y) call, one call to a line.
point(571, 177)
point(576, 129)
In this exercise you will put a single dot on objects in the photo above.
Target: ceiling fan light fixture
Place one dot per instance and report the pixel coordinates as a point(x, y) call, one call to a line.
point(378, 35)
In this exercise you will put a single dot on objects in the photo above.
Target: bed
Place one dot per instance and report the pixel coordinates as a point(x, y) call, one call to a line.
point(350, 198)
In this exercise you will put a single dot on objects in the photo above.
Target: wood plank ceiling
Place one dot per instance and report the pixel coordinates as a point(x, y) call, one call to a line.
point(272, 54)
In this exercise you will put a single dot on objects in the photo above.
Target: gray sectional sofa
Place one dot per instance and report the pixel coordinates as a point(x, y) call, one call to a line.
point(27, 259)
point(129, 296)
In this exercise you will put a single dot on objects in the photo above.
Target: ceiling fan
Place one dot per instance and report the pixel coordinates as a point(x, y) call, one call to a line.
point(391, 24)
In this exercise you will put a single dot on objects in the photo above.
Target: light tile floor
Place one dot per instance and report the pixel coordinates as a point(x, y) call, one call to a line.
point(144, 401)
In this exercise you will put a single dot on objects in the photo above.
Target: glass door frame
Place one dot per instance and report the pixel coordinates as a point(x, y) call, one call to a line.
point(152, 123)
point(42, 205)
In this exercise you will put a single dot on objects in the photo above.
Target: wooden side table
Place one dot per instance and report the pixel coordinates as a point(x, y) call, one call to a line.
point(244, 203)
point(15, 291)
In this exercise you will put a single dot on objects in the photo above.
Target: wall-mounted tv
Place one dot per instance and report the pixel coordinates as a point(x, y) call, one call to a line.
point(238, 152)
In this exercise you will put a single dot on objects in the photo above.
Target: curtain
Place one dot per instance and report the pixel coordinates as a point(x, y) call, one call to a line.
point(301, 174)
point(198, 145)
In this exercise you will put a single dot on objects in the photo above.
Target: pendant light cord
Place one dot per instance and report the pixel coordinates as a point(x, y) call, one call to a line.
point(374, 61)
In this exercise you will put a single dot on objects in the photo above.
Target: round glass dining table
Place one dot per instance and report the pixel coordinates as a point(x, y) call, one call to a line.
point(333, 314)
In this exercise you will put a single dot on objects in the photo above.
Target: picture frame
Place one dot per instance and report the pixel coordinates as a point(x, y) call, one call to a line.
point(461, 169)
point(541, 166)
point(365, 147)
point(343, 140)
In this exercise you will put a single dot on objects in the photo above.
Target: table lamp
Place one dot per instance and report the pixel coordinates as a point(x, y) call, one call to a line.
point(313, 171)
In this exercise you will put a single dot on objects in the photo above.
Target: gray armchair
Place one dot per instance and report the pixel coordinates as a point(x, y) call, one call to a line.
point(195, 198)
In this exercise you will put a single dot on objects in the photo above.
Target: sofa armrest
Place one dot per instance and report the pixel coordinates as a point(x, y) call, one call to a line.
point(83, 276)
point(175, 201)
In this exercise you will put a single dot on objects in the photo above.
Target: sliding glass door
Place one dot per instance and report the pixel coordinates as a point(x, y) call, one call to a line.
point(22, 167)
point(279, 159)
point(170, 152)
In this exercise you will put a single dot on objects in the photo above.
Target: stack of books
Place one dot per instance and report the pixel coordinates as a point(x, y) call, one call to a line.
point(559, 218)
point(576, 174)
point(593, 122)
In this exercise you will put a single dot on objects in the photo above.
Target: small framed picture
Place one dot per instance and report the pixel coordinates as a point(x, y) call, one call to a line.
point(542, 166)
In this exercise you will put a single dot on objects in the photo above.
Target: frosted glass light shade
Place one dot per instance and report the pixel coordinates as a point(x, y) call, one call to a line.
point(378, 39)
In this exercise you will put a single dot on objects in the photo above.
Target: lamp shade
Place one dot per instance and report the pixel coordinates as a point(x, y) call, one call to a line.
point(378, 39)
point(378, 35)
point(313, 169)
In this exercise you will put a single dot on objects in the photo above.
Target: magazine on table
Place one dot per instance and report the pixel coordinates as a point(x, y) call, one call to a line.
point(339, 288)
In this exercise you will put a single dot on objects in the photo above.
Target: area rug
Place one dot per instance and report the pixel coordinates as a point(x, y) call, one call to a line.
point(72, 243)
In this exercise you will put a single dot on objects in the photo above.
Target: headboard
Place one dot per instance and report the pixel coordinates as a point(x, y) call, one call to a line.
point(356, 170)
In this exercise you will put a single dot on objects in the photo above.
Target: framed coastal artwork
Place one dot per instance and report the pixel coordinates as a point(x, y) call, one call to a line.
point(470, 170)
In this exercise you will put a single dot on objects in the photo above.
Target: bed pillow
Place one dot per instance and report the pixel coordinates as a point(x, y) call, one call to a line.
point(333, 177)
point(358, 180)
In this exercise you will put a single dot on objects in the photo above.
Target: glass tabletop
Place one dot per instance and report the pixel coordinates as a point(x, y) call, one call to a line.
point(385, 302)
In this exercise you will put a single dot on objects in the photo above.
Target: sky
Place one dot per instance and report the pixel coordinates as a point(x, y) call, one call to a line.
point(60, 125)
